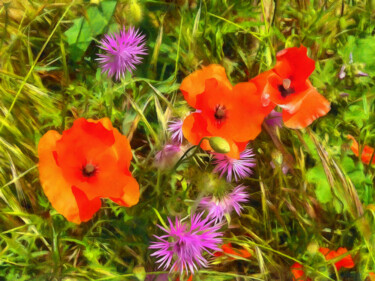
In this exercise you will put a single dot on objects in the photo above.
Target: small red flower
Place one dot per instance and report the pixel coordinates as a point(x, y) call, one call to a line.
point(89, 161)
point(287, 86)
point(366, 154)
point(346, 262)
point(298, 273)
point(233, 113)
point(228, 249)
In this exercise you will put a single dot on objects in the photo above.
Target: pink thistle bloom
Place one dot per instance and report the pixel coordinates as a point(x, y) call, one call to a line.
point(168, 156)
point(237, 168)
point(175, 128)
point(219, 207)
point(122, 52)
point(284, 167)
point(274, 119)
point(184, 244)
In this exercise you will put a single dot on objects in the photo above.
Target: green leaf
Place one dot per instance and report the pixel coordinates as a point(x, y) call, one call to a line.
point(80, 34)
point(318, 177)
point(78, 38)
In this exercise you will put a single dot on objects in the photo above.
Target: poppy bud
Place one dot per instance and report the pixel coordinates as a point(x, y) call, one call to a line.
point(219, 145)
point(313, 247)
point(139, 272)
point(134, 12)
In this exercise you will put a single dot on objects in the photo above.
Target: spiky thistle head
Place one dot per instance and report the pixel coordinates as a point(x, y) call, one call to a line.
point(220, 206)
point(184, 245)
point(175, 128)
point(237, 168)
point(122, 52)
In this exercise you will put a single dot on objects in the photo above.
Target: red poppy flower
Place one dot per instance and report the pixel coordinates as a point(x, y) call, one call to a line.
point(287, 85)
point(89, 161)
point(366, 154)
point(298, 273)
point(228, 249)
point(233, 113)
point(194, 84)
point(346, 262)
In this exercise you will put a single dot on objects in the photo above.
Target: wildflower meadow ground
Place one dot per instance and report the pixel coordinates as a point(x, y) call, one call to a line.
point(187, 140)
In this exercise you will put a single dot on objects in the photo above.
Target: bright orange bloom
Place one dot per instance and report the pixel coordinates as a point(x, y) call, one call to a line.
point(371, 276)
point(287, 86)
point(298, 273)
point(228, 249)
point(87, 162)
point(346, 262)
point(233, 113)
point(367, 151)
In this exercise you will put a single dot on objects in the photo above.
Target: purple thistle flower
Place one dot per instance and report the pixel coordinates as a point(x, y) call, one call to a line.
point(284, 167)
point(219, 207)
point(274, 119)
point(239, 168)
point(168, 156)
point(175, 128)
point(351, 57)
point(361, 74)
point(122, 52)
point(342, 72)
point(183, 245)
point(344, 95)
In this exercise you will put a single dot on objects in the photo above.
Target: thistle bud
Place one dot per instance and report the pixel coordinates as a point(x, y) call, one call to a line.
point(219, 145)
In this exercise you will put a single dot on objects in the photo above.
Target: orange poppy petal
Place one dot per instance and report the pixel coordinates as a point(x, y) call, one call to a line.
point(194, 128)
point(367, 151)
point(106, 122)
point(56, 188)
point(324, 251)
point(228, 249)
point(313, 106)
point(354, 146)
point(372, 276)
point(241, 145)
point(291, 102)
point(294, 62)
point(84, 142)
point(194, 84)
point(261, 80)
point(244, 113)
point(346, 262)
point(248, 113)
point(109, 175)
point(298, 272)
point(130, 195)
point(234, 152)
point(87, 208)
point(122, 150)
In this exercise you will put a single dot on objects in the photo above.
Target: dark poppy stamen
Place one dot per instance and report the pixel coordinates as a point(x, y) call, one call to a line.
point(285, 88)
point(89, 170)
point(220, 112)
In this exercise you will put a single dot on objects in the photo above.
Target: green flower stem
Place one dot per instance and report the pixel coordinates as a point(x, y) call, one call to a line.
point(196, 147)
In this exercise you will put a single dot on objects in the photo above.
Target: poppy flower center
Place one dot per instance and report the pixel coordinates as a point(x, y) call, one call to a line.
point(285, 88)
point(220, 112)
point(89, 170)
